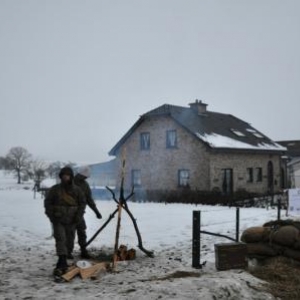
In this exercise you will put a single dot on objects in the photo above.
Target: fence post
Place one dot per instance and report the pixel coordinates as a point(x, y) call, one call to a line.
point(196, 239)
point(237, 230)
point(278, 208)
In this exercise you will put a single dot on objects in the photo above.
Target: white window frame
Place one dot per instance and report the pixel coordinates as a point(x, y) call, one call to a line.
point(171, 138)
point(145, 141)
point(136, 177)
point(183, 177)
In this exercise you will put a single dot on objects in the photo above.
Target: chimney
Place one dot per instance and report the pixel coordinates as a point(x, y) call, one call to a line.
point(198, 106)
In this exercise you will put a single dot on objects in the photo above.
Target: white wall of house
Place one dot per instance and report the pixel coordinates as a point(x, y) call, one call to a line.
point(297, 179)
point(294, 173)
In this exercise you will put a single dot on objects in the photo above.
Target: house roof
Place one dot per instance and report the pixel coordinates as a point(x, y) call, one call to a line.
point(293, 147)
point(216, 130)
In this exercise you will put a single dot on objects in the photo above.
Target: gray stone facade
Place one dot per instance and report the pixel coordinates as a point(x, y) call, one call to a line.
point(239, 163)
point(158, 166)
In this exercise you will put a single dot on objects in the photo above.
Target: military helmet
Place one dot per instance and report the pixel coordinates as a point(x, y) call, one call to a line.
point(66, 171)
point(84, 171)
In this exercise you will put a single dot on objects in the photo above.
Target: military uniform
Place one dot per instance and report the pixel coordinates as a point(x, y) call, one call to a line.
point(64, 206)
point(80, 181)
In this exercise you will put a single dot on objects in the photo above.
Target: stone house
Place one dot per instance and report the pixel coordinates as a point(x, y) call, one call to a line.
point(172, 147)
point(293, 162)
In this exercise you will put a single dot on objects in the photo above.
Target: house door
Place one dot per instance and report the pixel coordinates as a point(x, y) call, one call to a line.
point(270, 177)
point(227, 184)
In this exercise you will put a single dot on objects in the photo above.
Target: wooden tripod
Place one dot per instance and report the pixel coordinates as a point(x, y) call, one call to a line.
point(122, 204)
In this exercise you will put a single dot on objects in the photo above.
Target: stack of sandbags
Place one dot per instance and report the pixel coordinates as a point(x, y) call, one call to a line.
point(288, 237)
point(282, 238)
point(256, 235)
point(257, 240)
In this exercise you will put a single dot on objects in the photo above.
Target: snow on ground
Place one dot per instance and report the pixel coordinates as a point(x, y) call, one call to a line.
point(47, 183)
point(27, 254)
point(9, 182)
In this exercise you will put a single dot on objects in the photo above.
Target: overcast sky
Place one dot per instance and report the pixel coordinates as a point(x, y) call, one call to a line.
point(75, 75)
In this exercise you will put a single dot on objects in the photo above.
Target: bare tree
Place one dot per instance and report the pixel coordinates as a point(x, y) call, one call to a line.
point(19, 160)
point(54, 168)
point(5, 164)
point(38, 170)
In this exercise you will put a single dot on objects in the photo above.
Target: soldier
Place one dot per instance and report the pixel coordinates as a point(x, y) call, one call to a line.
point(80, 180)
point(64, 206)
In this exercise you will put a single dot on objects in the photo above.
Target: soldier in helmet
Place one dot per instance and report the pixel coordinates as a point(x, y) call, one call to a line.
point(64, 206)
point(80, 181)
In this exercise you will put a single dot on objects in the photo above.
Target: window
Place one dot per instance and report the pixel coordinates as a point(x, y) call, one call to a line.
point(227, 184)
point(171, 139)
point(145, 141)
point(258, 174)
point(183, 177)
point(249, 174)
point(270, 177)
point(237, 132)
point(255, 133)
point(136, 178)
point(258, 135)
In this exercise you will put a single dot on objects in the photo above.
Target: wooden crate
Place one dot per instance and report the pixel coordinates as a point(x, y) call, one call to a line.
point(230, 256)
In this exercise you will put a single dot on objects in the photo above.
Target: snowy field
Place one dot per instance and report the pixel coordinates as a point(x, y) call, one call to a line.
point(27, 254)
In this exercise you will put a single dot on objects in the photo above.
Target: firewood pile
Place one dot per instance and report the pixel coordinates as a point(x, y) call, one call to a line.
point(93, 269)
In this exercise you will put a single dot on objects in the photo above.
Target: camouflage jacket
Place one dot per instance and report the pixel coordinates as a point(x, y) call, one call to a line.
point(85, 188)
point(63, 205)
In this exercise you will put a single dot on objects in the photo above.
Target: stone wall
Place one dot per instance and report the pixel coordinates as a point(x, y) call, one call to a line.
point(159, 166)
point(239, 164)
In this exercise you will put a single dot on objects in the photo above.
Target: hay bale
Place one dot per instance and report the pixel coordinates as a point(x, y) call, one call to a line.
point(256, 235)
point(283, 274)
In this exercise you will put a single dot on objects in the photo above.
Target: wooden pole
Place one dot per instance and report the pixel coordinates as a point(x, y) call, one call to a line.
point(120, 205)
point(196, 239)
point(237, 225)
point(278, 208)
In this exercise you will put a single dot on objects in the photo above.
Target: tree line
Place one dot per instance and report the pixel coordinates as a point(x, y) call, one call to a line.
point(24, 166)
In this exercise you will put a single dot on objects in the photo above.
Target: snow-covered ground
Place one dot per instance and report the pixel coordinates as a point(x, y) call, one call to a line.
point(27, 255)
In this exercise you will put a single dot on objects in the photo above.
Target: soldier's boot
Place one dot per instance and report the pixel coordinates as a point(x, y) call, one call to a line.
point(84, 253)
point(61, 266)
point(70, 256)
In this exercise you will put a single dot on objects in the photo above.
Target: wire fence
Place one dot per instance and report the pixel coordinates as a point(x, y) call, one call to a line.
point(235, 220)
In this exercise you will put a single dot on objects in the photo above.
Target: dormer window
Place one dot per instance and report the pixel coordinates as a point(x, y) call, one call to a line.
point(255, 133)
point(258, 135)
point(237, 132)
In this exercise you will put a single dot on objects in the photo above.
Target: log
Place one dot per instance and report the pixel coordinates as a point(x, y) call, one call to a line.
point(100, 270)
point(89, 272)
point(71, 274)
point(122, 252)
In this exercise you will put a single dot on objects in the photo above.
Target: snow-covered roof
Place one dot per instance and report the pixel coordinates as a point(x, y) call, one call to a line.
point(216, 130)
point(219, 141)
point(293, 147)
